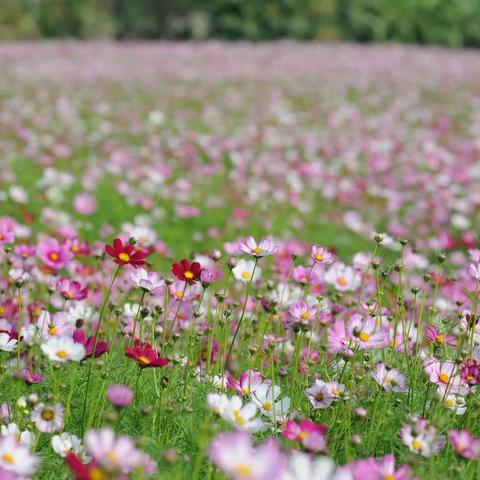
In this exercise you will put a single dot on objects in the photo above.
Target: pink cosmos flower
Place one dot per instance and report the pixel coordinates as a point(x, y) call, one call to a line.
point(120, 395)
point(421, 437)
point(71, 289)
point(233, 453)
point(7, 235)
point(390, 379)
point(309, 433)
point(321, 394)
point(85, 203)
point(434, 335)
point(249, 381)
point(343, 278)
point(321, 255)
point(53, 254)
point(444, 373)
point(465, 444)
point(115, 454)
point(300, 312)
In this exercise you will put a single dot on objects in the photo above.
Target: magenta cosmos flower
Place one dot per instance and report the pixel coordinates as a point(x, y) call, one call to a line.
point(71, 289)
point(54, 254)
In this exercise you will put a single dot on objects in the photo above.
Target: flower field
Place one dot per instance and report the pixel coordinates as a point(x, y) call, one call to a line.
point(254, 262)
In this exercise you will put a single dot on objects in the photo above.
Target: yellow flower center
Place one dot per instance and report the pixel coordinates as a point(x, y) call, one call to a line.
point(243, 470)
point(144, 359)
point(112, 456)
point(48, 415)
point(337, 392)
point(75, 248)
point(444, 378)
point(54, 256)
point(303, 435)
point(342, 281)
point(267, 406)
point(2, 310)
point(97, 474)
point(246, 275)
point(449, 402)
point(246, 390)
point(8, 458)
point(257, 250)
point(239, 420)
point(319, 257)
point(124, 257)
point(417, 444)
point(306, 315)
point(364, 336)
point(62, 354)
point(388, 477)
point(188, 275)
point(440, 338)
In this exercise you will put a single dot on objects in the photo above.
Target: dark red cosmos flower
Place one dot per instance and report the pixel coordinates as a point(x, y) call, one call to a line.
point(85, 471)
point(88, 343)
point(126, 254)
point(187, 272)
point(145, 355)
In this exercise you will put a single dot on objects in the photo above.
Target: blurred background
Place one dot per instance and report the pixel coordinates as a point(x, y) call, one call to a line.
point(453, 23)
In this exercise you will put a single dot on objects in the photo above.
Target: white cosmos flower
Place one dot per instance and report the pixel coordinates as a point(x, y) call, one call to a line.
point(148, 281)
point(7, 344)
point(242, 417)
point(301, 466)
point(48, 418)
point(244, 270)
point(25, 437)
point(16, 457)
point(265, 397)
point(66, 443)
point(63, 349)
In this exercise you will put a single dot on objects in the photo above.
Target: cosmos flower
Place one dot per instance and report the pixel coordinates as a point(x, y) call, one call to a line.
point(262, 249)
point(54, 254)
point(126, 254)
point(265, 398)
point(343, 278)
point(145, 355)
point(114, 454)
point(235, 455)
point(71, 289)
point(249, 381)
point(309, 433)
point(16, 457)
point(48, 418)
point(232, 410)
point(120, 395)
point(63, 349)
point(321, 255)
point(150, 282)
point(243, 271)
point(391, 379)
point(66, 443)
point(465, 444)
point(305, 467)
point(186, 272)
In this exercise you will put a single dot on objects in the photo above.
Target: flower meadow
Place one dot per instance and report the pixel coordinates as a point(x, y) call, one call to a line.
point(234, 261)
